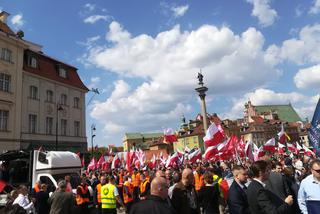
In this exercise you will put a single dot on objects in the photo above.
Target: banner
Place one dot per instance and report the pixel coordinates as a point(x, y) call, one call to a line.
point(314, 131)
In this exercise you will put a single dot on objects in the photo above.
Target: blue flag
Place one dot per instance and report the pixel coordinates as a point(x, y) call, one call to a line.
point(314, 131)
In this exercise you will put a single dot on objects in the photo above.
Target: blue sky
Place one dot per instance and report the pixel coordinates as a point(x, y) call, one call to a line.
point(144, 56)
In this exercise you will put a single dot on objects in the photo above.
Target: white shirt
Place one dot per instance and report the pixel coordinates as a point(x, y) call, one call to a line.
point(263, 184)
point(24, 202)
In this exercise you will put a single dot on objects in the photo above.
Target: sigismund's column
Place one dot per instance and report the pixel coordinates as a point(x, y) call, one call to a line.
point(202, 94)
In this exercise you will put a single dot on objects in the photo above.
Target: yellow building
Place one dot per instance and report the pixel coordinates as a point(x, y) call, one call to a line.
point(139, 140)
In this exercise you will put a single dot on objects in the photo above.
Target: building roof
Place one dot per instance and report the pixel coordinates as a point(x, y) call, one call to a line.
point(138, 135)
point(285, 112)
point(5, 28)
point(47, 67)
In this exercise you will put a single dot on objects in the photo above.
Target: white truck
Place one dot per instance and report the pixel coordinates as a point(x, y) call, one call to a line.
point(18, 167)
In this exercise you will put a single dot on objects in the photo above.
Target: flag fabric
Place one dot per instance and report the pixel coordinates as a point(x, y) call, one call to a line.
point(307, 151)
point(115, 162)
point(281, 149)
point(249, 150)
point(314, 131)
point(194, 156)
point(172, 159)
point(211, 151)
point(270, 145)
point(282, 135)
point(169, 136)
point(82, 162)
point(153, 162)
point(100, 162)
point(187, 149)
point(292, 148)
point(213, 136)
point(92, 165)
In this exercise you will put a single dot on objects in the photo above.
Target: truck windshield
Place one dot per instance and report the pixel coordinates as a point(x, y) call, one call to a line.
point(74, 178)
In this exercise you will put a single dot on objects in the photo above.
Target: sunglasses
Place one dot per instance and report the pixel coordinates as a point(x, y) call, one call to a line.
point(317, 170)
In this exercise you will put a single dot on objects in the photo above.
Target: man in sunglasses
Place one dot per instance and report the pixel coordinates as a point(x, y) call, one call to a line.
point(309, 192)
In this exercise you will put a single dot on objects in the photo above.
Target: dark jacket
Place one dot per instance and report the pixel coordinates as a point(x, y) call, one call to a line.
point(152, 205)
point(61, 202)
point(42, 205)
point(276, 184)
point(262, 201)
point(237, 200)
point(182, 198)
point(209, 198)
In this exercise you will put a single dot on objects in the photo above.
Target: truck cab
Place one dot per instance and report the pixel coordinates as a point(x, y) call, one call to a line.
point(19, 167)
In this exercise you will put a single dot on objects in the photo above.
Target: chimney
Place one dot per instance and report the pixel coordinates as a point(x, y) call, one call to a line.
point(3, 17)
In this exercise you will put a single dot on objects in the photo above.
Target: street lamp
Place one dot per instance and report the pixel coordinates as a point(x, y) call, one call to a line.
point(59, 108)
point(93, 129)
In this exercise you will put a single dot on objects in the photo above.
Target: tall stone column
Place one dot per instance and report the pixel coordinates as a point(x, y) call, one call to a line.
point(202, 94)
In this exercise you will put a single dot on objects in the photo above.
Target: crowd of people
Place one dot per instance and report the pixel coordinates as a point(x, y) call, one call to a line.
point(270, 185)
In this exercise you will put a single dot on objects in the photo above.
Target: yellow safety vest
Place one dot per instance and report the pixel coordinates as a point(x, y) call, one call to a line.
point(108, 200)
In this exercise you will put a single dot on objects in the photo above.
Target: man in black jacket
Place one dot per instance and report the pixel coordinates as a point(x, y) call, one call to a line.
point(261, 200)
point(156, 203)
point(237, 200)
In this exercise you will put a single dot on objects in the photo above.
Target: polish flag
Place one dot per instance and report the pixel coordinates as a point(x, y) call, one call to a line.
point(115, 162)
point(169, 136)
point(281, 149)
point(100, 162)
point(299, 148)
point(270, 145)
point(153, 162)
point(172, 159)
point(92, 165)
point(194, 156)
point(213, 136)
point(210, 152)
point(249, 150)
point(292, 148)
point(283, 136)
point(259, 153)
point(307, 151)
point(241, 148)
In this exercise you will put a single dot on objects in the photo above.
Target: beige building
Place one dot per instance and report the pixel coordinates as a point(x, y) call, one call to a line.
point(42, 100)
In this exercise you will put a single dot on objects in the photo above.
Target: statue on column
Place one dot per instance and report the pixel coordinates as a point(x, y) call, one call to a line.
point(200, 78)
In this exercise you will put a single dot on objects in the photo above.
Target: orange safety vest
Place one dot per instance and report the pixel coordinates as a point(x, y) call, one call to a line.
point(143, 186)
point(80, 198)
point(120, 180)
point(37, 188)
point(198, 179)
point(126, 197)
point(136, 180)
point(99, 193)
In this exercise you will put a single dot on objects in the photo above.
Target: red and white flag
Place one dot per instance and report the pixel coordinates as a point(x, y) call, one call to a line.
point(115, 162)
point(249, 150)
point(169, 136)
point(194, 156)
point(282, 135)
point(100, 162)
point(281, 149)
point(292, 148)
point(210, 153)
point(270, 145)
point(172, 159)
point(213, 136)
point(153, 162)
point(307, 151)
point(92, 165)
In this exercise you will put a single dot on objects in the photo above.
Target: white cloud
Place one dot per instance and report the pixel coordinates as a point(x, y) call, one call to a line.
point(94, 81)
point(167, 64)
point(304, 105)
point(315, 7)
point(17, 20)
point(308, 78)
point(179, 11)
point(94, 18)
point(300, 50)
point(89, 7)
point(262, 10)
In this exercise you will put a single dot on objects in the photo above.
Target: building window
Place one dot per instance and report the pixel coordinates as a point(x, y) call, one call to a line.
point(76, 128)
point(5, 82)
point(76, 102)
point(49, 96)
point(33, 92)
point(62, 72)
point(49, 125)
point(32, 62)
point(4, 117)
point(6, 54)
point(32, 123)
point(63, 127)
point(63, 99)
